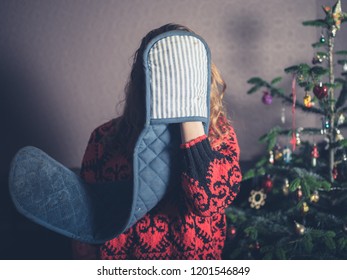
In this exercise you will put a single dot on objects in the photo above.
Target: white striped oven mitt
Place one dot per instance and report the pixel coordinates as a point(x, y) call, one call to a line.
point(178, 73)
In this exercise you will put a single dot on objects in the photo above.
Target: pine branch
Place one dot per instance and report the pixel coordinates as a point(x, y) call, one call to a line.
point(344, 125)
point(339, 144)
point(259, 83)
point(276, 80)
point(305, 130)
point(302, 106)
point(342, 61)
point(316, 23)
point(319, 45)
point(314, 177)
point(342, 110)
point(342, 52)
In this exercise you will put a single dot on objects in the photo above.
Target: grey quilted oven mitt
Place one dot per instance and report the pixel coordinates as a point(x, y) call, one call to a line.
point(177, 68)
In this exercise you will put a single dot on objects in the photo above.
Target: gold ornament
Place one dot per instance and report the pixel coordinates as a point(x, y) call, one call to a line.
point(301, 78)
point(333, 31)
point(285, 187)
point(297, 138)
point(314, 198)
point(257, 198)
point(337, 14)
point(305, 208)
point(299, 228)
point(341, 118)
point(307, 100)
point(278, 155)
point(338, 136)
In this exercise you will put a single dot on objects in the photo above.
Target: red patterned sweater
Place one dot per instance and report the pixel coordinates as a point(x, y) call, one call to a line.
point(190, 223)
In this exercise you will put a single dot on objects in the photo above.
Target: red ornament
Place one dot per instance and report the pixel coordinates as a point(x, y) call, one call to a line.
point(299, 193)
point(267, 184)
point(335, 173)
point(315, 153)
point(320, 91)
point(232, 231)
point(255, 246)
point(267, 98)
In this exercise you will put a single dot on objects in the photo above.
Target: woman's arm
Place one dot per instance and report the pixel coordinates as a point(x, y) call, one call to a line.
point(212, 176)
point(191, 130)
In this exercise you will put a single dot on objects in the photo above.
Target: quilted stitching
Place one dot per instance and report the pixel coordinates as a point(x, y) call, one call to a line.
point(157, 149)
point(37, 190)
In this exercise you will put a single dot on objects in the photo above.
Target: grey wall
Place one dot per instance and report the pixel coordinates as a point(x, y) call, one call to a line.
point(69, 60)
point(63, 64)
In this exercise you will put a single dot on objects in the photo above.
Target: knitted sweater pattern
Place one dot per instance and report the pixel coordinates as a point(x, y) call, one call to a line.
point(189, 222)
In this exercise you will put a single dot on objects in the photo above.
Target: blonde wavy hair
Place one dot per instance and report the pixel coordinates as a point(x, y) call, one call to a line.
point(131, 122)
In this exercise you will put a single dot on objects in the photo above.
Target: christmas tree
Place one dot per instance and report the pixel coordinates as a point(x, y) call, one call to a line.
point(297, 204)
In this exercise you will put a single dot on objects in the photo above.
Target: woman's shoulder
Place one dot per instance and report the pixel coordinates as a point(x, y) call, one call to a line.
point(100, 132)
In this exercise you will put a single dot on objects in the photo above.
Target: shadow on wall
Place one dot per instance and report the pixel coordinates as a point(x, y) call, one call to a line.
point(24, 121)
point(246, 31)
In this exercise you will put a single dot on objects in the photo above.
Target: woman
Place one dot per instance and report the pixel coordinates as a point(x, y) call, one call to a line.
point(190, 223)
